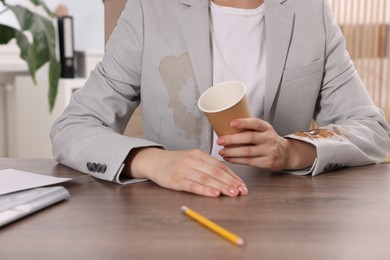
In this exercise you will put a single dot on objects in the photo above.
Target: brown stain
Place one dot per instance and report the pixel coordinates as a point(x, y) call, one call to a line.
point(181, 85)
point(342, 133)
point(315, 134)
point(319, 133)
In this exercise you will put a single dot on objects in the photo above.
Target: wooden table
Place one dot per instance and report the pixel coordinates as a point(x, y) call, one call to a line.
point(338, 215)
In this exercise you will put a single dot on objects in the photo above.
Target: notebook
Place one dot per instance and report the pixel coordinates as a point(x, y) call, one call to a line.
point(16, 205)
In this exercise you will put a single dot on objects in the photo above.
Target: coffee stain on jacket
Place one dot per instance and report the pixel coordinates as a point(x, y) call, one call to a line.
point(183, 91)
point(322, 133)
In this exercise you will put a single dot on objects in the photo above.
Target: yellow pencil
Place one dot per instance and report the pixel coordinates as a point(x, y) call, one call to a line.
point(214, 227)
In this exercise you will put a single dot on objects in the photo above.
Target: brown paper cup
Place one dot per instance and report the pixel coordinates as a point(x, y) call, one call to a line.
point(224, 102)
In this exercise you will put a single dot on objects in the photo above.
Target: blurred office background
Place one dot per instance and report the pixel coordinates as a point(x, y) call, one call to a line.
point(25, 119)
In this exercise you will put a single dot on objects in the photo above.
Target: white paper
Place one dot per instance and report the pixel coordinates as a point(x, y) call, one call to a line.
point(13, 180)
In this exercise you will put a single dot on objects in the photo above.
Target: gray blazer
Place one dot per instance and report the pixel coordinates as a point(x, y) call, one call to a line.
point(159, 56)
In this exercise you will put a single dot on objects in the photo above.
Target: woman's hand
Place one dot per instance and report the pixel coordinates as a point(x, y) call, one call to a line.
point(193, 171)
point(262, 147)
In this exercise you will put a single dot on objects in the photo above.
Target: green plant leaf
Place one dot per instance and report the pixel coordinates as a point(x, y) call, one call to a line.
point(42, 30)
point(54, 77)
point(26, 48)
point(7, 33)
point(41, 50)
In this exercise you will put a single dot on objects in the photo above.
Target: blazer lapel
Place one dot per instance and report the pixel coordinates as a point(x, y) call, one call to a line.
point(195, 24)
point(279, 25)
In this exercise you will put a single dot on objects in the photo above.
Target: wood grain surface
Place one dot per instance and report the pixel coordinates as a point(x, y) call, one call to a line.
point(338, 215)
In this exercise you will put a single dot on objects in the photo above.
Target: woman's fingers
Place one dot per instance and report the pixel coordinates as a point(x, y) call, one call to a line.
point(253, 124)
point(212, 173)
point(202, 179)
point(217, 168)
point(199, 188)
point(259, 145)
point(192, 171)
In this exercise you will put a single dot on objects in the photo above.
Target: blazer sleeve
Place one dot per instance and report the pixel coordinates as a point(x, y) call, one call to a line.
point(352, 130)
point(89, 135)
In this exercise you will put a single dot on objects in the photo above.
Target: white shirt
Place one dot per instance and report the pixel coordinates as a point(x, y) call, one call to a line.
point(238, 49)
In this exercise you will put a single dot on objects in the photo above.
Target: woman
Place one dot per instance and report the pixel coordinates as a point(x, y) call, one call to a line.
point(163, 54)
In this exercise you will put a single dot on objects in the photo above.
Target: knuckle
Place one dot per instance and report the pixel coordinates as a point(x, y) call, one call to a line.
point(251, 137)
point(223, 168)
point(247, 151)
point(216, 171)
point(204, 179)
point(266, 124)
point(272, 139)
point(190, 157)
point(246, 161)
point(258, 123)
point(192, 187)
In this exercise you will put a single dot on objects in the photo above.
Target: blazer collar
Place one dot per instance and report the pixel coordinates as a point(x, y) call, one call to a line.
point(279, 22)
point(195, 25)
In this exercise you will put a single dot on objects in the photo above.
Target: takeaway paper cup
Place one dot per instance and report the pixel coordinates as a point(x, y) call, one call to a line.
point(224, 102)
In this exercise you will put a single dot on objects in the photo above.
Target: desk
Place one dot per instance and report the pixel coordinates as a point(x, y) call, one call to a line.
point(338, 215)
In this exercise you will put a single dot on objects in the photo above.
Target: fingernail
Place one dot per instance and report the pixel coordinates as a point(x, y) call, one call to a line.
point(221, 152)
point(220, 141)
point(243, 190)
point(234, 123)
point(233, 191)
point(215, 192)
